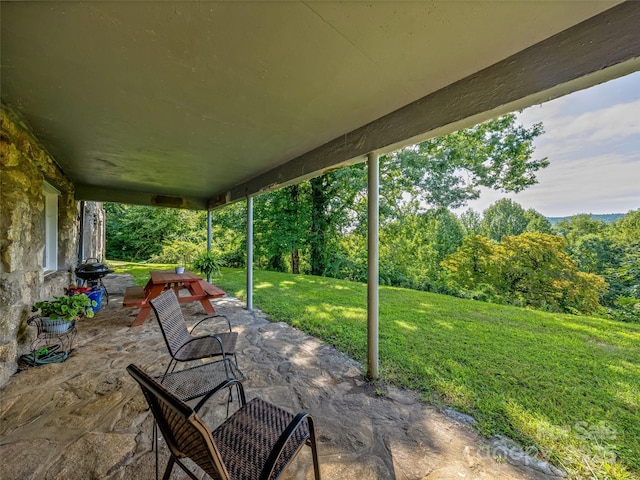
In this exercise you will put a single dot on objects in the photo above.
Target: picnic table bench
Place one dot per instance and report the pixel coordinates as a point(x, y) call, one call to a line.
point(196, 289)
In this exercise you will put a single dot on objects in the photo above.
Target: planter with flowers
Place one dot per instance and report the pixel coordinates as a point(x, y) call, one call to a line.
point(58, 313)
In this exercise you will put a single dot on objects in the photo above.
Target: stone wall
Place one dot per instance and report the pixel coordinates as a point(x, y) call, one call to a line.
point(24, 166)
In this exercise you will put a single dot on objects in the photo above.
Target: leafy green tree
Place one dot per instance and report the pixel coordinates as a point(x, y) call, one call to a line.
point(624, 276)
point(322, 220)
point(333, 196)
point(471, 222)
point(349, 259)
point(536, 270)
point(472, 264)
point(444, 172)
point(608, 250)
point(180, 252)
point(412, 249)
point(138, 233)
point(580, 225)
point(448, 171)
point(536, 222)
point(626, 230)
point(589, 244)
point(530, 269)
point(281, 226)
point(228, 234)
point(595, 253)
point(505, 217)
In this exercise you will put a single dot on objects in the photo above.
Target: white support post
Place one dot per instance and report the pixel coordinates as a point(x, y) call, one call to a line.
point(372, 278)
point(208, 230)
point(250, 254)
point(209, 238)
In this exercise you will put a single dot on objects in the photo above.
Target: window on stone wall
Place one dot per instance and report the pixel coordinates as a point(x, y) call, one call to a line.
point(49, 223)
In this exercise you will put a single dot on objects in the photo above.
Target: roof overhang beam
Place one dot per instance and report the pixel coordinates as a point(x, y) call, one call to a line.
point(99, 194)
point(599, 49)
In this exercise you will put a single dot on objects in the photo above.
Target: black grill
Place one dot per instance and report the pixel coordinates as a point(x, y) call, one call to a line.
point(92, 273)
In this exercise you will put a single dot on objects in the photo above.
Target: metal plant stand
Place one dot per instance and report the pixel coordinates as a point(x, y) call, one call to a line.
point(53, 342)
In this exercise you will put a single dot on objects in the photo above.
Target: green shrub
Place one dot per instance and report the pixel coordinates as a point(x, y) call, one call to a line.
point(627, 309)
point(178, 252)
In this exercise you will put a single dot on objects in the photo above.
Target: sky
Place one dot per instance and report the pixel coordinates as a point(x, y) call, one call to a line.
point(592, 140)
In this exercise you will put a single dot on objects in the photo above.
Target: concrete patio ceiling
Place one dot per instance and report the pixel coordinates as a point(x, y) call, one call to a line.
point(197, 104)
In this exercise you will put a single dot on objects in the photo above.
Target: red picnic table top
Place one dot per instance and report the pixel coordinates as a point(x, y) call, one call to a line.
point(199, 290)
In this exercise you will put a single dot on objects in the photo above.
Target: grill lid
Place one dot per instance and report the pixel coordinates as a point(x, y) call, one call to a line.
point(93, 269)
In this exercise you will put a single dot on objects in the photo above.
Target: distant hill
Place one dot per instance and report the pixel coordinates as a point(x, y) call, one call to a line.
point(605, 217)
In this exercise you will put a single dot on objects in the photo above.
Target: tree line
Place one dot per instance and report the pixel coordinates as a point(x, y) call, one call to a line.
point(506, 254)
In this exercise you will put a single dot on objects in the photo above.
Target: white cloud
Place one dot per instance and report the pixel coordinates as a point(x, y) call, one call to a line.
point(592, 139)
point(567, 135)
point(617, 121)
point(607, 183)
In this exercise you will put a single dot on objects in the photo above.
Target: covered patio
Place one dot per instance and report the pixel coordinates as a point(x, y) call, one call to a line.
point(86, 418)
point(201, 104)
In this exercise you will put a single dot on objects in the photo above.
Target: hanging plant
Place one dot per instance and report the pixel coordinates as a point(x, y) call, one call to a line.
point(207, 264)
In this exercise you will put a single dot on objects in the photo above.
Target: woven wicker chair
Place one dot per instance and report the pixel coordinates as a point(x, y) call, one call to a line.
point(201, 380)
point(182, 345)
point(256, 443)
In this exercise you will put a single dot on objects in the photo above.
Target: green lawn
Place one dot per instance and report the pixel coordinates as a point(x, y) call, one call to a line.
point(139, 271)
point(565, 386)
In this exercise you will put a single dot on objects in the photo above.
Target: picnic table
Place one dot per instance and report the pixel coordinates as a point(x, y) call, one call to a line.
point(188, 287)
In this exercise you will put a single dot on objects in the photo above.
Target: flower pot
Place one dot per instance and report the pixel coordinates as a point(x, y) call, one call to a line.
point(55, 326)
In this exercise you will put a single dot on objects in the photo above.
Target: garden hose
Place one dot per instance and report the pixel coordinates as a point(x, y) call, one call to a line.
point(44, 356)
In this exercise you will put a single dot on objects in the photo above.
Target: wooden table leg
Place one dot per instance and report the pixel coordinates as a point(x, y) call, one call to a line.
point(206, 304)
point(145, 310)
point(142, 316)
point(196, 290)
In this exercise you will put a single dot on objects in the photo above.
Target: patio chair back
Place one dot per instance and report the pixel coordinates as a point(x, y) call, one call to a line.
point(172, 323)
point(187, 436)
point(257, 442)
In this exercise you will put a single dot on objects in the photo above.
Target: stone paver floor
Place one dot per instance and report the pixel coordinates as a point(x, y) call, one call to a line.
point(86, 418)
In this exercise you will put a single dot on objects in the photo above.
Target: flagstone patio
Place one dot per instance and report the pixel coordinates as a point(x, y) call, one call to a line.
point(86, 418)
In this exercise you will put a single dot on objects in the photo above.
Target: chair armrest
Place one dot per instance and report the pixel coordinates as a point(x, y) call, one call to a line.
point(209, 318)
point(228, 384)
point(195, 339)
point(284, 438)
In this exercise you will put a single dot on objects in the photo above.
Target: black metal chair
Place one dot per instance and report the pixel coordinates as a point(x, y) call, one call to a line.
point(256, 443)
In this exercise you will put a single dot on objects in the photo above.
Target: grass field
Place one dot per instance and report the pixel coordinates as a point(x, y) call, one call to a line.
point(564, 386)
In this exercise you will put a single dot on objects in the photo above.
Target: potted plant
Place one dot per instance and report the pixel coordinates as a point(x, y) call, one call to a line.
point(207, 264)
point(58, 313)
point(180, 267)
